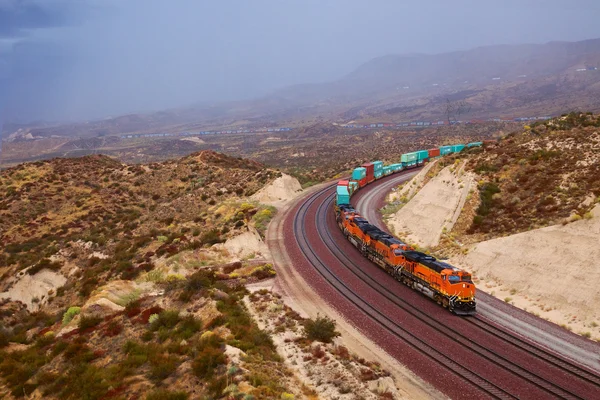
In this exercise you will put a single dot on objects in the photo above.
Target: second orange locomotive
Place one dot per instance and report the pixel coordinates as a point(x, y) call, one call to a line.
point(447, 285)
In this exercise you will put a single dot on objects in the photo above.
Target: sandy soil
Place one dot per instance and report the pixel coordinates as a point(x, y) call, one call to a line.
point(247, 244)
point(434, 208)
point(279, 192)
point(551, 272)
point(33, 290)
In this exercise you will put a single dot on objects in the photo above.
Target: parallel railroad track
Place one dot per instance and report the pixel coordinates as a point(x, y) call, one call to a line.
point(553, 363)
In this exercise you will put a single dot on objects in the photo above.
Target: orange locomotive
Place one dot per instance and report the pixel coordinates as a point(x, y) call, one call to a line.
point(445, 284)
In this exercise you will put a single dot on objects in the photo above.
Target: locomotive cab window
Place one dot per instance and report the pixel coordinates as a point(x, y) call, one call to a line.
point(454, 278)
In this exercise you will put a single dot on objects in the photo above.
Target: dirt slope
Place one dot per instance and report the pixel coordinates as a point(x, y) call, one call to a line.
point(432, 210)
point(551, 271)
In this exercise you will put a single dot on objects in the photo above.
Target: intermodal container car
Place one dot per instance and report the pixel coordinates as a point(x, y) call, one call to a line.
point(408, 157)
point(345, 183)
point(370, 171)
point(446, 150)
point(359, 173)
point(343, 196)
point(475, 144)
point(396, 167)
point(434, 153)
point(422, 155)
point(457, 148)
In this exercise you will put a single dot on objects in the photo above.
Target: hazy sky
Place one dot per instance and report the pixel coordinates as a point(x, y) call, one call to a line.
point(74, 59)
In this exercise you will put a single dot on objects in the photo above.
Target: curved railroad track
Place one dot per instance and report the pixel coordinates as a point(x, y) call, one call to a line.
point(463, 357)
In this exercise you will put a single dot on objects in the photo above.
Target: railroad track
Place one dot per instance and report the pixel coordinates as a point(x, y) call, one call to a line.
point(483, 384)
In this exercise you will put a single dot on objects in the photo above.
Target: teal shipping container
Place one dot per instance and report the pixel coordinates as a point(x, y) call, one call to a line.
point(359, 173)
point(378, 174)
point(387, 170)
point(378, 165)
point(353, 185)
point(408, 157)
point(422, 155)
point(445, 150)
point(343, 196)
point(396, 167)
point(475, 144)
point(458, 148)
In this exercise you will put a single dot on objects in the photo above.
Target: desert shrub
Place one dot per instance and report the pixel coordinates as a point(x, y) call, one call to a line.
point(207, 360)
point(18, 367)
point(86, 322)
point(188, 327)
point(44, 263)
point(70, 314)
point(211, 237)
point(161, 366)
point(163, 394)
point(167, 319)
point(263, 272)
point(321, 329)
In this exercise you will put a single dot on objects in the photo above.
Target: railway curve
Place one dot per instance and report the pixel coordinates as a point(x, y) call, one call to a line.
point(462, 357)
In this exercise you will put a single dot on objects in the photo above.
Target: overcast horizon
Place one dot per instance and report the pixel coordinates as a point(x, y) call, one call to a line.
point(89, 59)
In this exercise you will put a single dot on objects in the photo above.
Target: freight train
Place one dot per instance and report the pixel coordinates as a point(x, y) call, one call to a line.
point(447, 285)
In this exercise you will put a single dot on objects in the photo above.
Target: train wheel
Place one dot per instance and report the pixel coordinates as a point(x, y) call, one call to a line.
point(437, 299)
point(445, 303)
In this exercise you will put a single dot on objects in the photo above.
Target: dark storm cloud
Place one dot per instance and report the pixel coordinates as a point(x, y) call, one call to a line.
point(154, 54)
point(18, 17)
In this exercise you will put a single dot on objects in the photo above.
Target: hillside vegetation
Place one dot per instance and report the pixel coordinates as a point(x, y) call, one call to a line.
point(548, 174)
point(111, 289)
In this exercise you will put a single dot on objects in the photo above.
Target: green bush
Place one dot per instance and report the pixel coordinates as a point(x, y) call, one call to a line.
point(70, 314)
point(321, 329)
point(167, 319)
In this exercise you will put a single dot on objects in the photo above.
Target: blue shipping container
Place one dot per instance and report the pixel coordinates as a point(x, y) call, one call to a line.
point(445, 150)
point(378, 165)
point(359, 173)
point(378, 174)
point(457, 148)
point(343, 196)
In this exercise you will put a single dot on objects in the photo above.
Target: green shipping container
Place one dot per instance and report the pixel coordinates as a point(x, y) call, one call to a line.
point(445, 150)
point(378, 174)
point(422, 155)
point(458, 148)
point(408, 157)
point(378, 165)
point(359, 173)
point(475, 144)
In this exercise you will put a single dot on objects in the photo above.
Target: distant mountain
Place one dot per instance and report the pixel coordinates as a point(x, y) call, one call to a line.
point(495, 81)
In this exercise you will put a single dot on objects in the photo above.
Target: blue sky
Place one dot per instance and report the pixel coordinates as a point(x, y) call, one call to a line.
point(80, 59)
